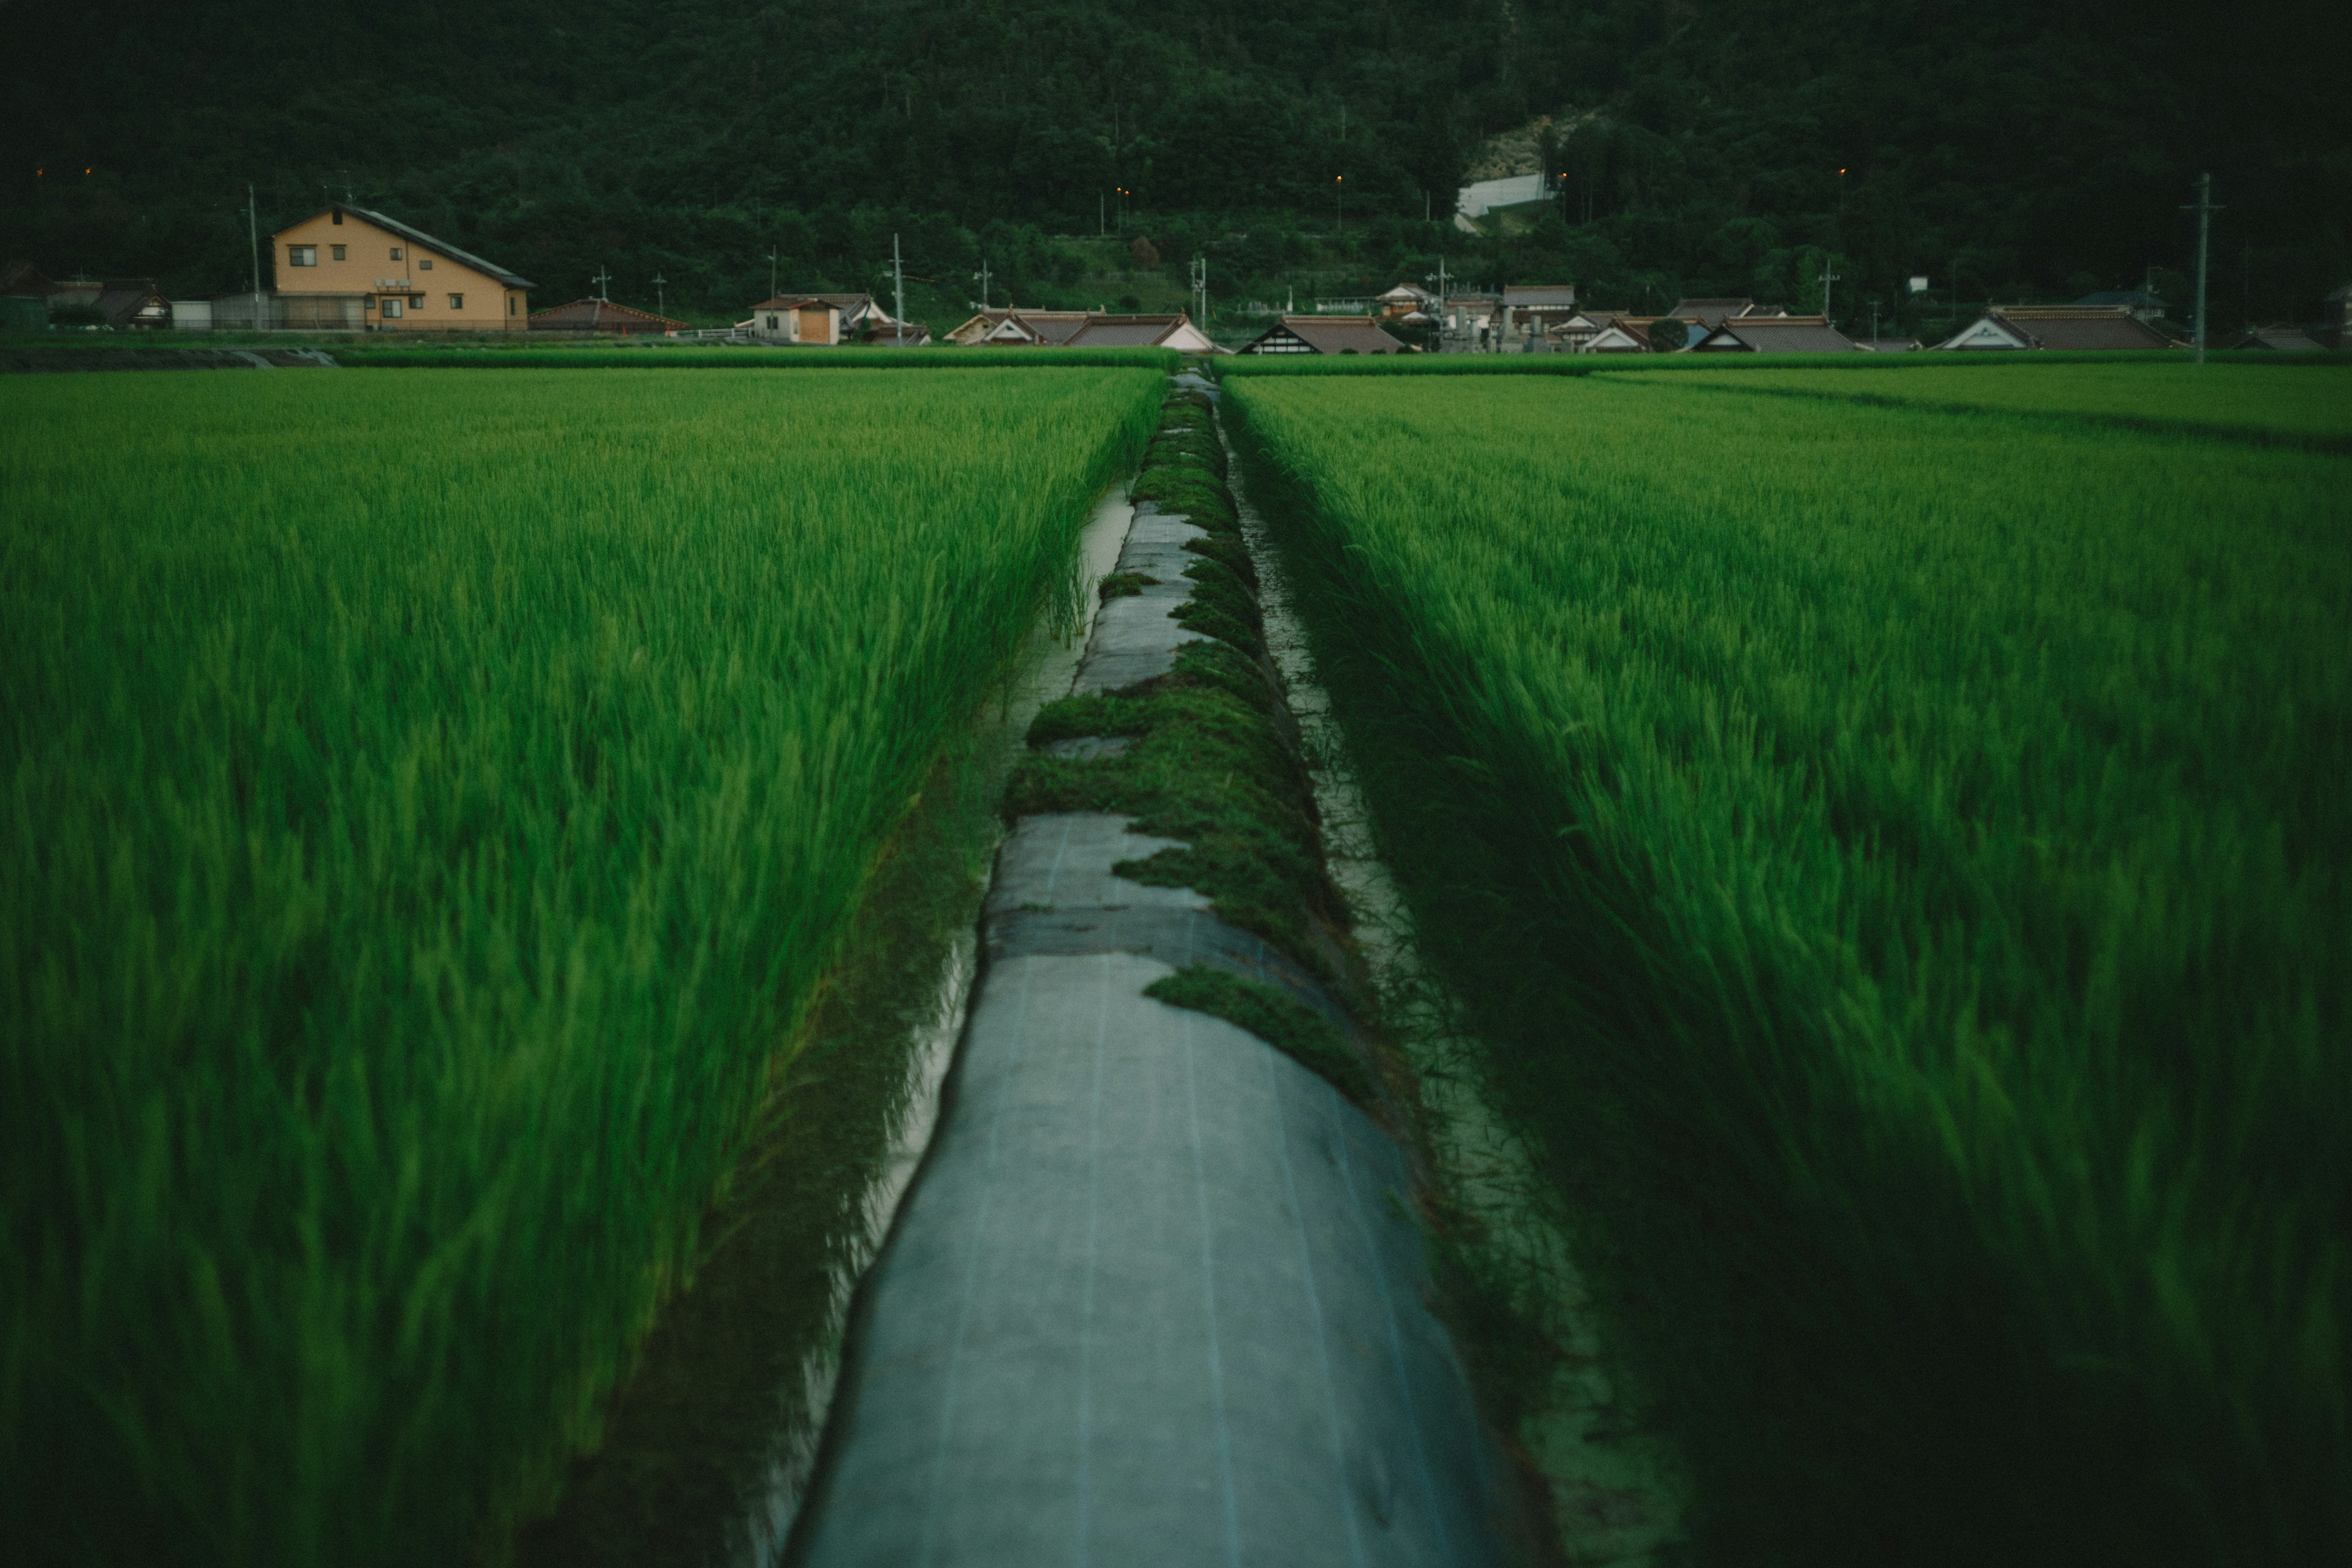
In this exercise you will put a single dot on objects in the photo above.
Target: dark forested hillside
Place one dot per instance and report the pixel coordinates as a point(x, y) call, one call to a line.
point(2039, 148)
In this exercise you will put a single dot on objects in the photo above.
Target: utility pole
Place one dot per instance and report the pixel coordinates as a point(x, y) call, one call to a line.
point(1102, 215)
point(2204, 210)
point(1828, 276)
point(898, 289)
point(1339, 196)
point(661, 301)
point(982, 276)
point(1200, 280)
point(772, 272)
point(253, 233)
point(604, 281)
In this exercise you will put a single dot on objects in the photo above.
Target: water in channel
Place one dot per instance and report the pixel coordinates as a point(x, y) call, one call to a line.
point(711, 1442)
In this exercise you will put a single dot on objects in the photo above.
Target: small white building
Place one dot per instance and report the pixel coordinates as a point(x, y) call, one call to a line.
point(816, 319)
point(1477, 199)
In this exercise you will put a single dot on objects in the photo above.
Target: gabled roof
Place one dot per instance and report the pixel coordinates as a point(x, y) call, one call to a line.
point(1988, 332)
point(122, 306)
point(1775, 335)
point(1711, 313)
point(1123, 331)
point(590, 315)
point(1334, 335)
point(1541, 296)
point(2286, 340)
point(418, 236)
point(24, 278)
point(854, 307)
point(1408, 291)
point(2080, 327)
point(1623, 336)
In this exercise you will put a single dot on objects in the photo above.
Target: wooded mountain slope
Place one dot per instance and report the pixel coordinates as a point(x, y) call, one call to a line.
point(2043, 145)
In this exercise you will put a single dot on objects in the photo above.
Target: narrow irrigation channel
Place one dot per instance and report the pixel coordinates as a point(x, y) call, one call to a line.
point(1159, 1294)
point(709, 1445)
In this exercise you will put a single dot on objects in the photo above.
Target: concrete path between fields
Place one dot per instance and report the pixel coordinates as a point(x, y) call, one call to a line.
point(1158, 1297)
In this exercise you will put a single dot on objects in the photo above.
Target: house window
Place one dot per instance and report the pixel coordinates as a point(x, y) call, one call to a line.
point(425, 264)
point(457, 302)
point(395, 253)
point(301, 256)
point(510, 304)
point(339, 252)
point(339, 214)
point(416, 301)
point(772, 323)
point(392, 310)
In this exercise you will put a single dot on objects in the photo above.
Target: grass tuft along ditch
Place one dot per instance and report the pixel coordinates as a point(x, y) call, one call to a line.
point(433, 800)
point(1903, 862)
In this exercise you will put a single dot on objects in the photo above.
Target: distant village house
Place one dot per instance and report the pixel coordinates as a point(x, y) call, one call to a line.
point(824, 320)
point(2059, 327)
point(1326, 335)
point(602, 316)
point(1082, 329)
point(353, 269)
point(1774, 335)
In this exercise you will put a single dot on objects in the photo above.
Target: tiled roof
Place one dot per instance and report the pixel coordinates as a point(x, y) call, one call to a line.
point(1339, 334)
point(1712, 313)
point(511, 279)
point(588, 315)
point(2080, 327)
point(2286, 340)
point(1122, 332)
point(1783, 336)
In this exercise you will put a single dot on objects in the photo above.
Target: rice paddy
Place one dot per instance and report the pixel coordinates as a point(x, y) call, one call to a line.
point(2294, 402)
point(433, 801)
point(1898, 857)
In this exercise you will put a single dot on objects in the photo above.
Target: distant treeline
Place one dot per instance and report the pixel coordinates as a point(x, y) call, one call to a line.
point(1733, 146)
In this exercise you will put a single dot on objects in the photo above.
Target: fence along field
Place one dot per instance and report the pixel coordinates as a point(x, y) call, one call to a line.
point(431, 799)
point(1902, 858)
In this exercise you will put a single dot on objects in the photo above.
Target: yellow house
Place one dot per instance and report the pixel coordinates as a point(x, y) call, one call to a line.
point(351, 266)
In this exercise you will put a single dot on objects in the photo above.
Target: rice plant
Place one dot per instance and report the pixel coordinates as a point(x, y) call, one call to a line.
point(431, 802)
point(1904, 862)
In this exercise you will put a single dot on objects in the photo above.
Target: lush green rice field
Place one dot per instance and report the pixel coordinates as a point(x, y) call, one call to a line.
point(2311, 402)
point(1904, 862)
point(431, 800)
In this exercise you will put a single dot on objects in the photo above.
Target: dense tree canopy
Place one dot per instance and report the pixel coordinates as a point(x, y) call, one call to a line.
point(1720, 146)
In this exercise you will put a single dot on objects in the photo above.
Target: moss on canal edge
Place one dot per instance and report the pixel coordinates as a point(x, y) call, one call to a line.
point(1216, 766)
point(1281, 1020)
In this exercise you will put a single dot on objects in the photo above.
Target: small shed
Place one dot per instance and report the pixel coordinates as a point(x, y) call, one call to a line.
point(602, 316)
point(1325, 335)
point(129, 303)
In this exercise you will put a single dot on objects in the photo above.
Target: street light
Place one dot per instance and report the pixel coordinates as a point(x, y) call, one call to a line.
point(1340, 195)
